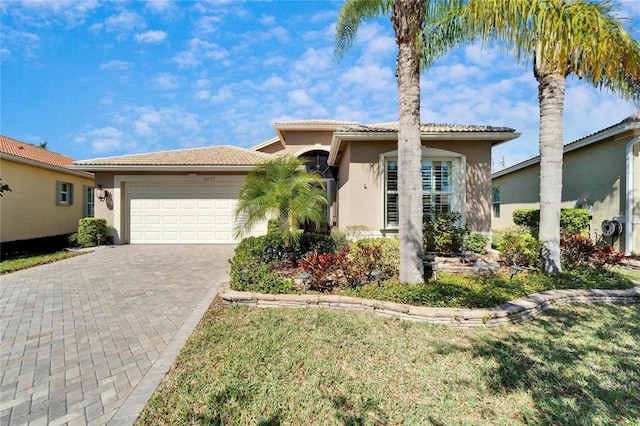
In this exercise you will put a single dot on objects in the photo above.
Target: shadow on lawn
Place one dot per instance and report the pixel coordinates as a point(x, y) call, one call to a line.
point(577, 372)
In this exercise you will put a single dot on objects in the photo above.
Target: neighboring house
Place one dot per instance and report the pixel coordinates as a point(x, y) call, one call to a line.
point(47, 199)
point(173, 196)
point(601, 172)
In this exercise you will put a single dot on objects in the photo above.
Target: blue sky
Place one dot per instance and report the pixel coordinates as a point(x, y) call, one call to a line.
point(102, 78)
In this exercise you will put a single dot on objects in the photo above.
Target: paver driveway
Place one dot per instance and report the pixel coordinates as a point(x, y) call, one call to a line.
point(86, 340)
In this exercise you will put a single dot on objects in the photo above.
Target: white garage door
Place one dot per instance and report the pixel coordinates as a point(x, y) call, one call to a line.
point(182, 213)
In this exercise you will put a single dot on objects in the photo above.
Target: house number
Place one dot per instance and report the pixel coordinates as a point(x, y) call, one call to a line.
point(208, 178)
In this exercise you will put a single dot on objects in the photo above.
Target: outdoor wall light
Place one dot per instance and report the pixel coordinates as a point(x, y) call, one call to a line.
point(101, 193)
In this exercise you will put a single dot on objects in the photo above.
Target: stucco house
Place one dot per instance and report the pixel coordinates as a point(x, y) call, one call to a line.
point(47, 199)
point(601, 172)
point(188, 196)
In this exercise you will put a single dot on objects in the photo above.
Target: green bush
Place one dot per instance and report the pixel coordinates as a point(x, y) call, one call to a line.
point(339, 239)
point(572, 221)
point(88, 230)
point(262, 279)
point(312, 243)
point(477, 243)
point(72, 239)
point(517, 246)
point(443, 235)
point(369, 254)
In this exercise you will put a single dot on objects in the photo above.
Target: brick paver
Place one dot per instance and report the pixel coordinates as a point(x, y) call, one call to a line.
point(86, 340)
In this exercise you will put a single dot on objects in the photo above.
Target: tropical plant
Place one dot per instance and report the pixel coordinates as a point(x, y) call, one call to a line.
point(561, 37)
point(4, 188)
point(408, 18)
point(282, 189)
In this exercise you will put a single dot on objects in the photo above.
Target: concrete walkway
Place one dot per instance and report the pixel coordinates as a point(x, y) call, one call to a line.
point(86, 340)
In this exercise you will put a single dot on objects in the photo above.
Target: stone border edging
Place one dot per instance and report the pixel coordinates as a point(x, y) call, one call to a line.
point(512, 312)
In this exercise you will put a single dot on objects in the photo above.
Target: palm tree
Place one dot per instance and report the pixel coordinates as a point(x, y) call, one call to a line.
point(282, 189)
point(408, 18)
point(561, 37)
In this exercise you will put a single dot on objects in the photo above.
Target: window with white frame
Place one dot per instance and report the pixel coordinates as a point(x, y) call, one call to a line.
point(437, 189)
point(64, 193)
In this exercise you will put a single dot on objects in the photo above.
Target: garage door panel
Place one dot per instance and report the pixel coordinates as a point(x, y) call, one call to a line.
point(183, 213)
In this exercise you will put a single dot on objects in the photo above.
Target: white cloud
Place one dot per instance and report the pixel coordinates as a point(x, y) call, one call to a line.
point(152, 36)
point(45, 13)
point(267, 20)
point(106, 139)
point(19, 41)
point(166, 81)
point(159, 6)
point(115, 65)
point(314, 60)
point(206, 25)
point(197, 51)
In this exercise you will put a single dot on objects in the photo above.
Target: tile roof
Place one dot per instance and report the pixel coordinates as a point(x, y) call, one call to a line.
point(314, 122)
point(424, 128)
point(31, 152)
point(220, 155)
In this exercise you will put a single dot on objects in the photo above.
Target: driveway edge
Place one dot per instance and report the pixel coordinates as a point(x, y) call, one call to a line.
point(138, 398)
point(512, 312)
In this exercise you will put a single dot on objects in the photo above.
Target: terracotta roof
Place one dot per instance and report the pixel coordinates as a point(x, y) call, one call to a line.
point(33, 153)
point(424, 128)
point(220, 155)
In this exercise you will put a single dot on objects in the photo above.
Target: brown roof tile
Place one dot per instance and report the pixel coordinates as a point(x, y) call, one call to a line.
point(31, 152)
point(221, 155)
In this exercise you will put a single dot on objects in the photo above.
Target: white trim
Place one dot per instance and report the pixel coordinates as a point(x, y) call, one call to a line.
point(316, 147)
point(266, 143)
point(458, 176)
point(629, 157)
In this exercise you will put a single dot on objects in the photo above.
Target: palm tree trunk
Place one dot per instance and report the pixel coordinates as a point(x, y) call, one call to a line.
point(551, 90)
point(406, 19)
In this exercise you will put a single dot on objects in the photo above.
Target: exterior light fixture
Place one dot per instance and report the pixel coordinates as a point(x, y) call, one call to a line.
point(376, 275)
point(101, 193)
point(304, 277)
point(514, 270)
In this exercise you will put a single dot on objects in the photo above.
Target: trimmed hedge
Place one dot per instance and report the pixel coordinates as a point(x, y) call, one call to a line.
point(572, 221)
point(88, 230)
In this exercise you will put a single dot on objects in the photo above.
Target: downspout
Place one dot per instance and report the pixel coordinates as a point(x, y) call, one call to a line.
point(628, 236)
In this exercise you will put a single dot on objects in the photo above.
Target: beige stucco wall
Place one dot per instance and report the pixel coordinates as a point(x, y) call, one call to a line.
point(595, 173)
point(299, 141)
point(362, 186)
point(30, 211)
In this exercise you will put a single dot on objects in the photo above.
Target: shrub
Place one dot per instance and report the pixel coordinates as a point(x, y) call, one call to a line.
point(325, 269)
point(578, 251)
point(443, 235)
point(369, 254)
point(517, 246)
point(72, 239)
point(260, 278)
point(573, 221)
point(89, 229)
point(339, 239)
point(575, 250)
point(310, 243)
point(477, 243)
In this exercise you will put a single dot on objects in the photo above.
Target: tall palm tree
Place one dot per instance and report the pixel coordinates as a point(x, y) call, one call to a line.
point(560, 37)
point(284, 190)
point(408, 18)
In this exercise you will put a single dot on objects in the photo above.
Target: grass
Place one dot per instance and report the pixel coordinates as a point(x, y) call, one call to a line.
point(30, 260)
point(473, 291)
point(575, 365)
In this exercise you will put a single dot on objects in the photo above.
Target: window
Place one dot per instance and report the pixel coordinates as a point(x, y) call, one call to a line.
point(437, 190)
point(89, 205)
point(496, 203)
point(64, 193)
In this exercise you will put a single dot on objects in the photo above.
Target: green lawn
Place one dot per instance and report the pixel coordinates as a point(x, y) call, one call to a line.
point(27, 261)
point(575, 365)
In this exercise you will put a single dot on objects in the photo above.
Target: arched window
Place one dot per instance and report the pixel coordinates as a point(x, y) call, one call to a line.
point(318, 163)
